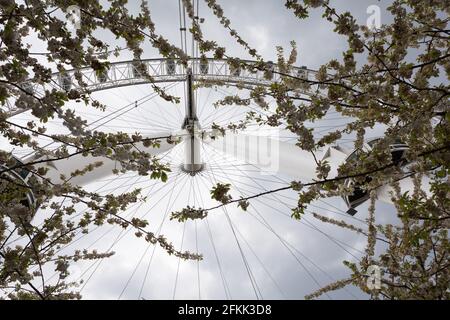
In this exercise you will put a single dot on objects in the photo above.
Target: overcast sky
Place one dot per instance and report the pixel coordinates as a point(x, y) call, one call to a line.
point(262, 250)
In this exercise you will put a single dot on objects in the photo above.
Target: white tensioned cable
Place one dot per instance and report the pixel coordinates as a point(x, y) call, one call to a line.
point(128, 107)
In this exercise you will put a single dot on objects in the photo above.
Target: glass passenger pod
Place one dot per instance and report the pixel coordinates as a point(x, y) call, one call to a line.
point(138, 69)
point(235, 71)
point(204, 66)
point(20, 176)
point(302, 73)
point(360, 195)
point(397, 149)
point(170, 67)
point(268, 73)
point(28, 87)
point(102, 76)
point(65, 81)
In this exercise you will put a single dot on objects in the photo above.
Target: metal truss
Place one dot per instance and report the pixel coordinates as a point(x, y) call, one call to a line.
point(128, 73)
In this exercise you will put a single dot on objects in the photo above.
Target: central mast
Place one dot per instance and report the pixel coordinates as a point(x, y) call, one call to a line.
point(192, 161)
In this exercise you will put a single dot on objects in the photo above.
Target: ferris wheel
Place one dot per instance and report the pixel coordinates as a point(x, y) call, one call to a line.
point(246, 255)
point(249, 146)
point(253, 160)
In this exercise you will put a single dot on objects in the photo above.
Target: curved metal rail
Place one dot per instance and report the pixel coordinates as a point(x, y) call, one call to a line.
point(126, 73)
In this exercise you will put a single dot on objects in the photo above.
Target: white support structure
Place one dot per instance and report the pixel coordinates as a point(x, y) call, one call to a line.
point(66, 167)
point(276, 156)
